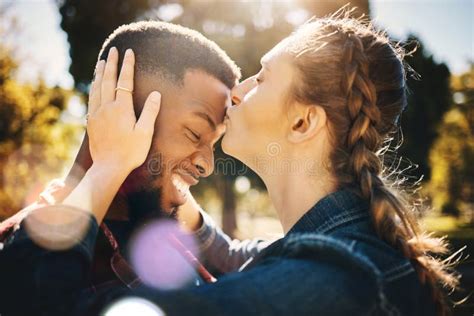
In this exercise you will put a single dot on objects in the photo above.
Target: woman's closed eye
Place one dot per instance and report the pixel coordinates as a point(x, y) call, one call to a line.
point(258, 78)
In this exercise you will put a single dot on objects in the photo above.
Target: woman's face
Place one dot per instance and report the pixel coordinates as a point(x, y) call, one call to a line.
point(257, 123)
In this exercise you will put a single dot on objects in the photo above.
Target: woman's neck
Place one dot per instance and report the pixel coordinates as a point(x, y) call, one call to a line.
point(294, 192)
point(293, 196)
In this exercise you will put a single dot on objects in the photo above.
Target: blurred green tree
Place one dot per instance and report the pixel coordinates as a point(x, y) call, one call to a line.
point(35, 144)
point(87, 24)
point(452, 154)
point(428, 99)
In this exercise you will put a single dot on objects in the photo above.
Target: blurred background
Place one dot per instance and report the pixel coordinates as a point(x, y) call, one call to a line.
point(48, 49)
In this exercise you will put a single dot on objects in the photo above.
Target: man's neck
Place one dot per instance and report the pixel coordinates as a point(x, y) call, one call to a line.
point(135, 207)
point(119, 209)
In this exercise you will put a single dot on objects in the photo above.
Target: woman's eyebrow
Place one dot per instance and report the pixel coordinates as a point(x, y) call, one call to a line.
point(264, 64)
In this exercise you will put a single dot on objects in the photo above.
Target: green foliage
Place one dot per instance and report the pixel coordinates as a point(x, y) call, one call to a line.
point(87, 24)
point(428, 99)
point(453, 227)
point(34, 144)
point(452, 155)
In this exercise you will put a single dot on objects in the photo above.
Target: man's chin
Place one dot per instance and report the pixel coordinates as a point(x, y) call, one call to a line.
point(170, 206)
point(145, 204)
point(151, 196)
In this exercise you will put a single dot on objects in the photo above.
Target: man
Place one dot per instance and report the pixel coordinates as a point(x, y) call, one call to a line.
point(194, 77)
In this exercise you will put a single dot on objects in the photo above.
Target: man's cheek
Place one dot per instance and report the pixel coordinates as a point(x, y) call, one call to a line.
point(154, 165)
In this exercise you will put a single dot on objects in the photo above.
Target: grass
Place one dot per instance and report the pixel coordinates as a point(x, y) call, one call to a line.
point(450, 226)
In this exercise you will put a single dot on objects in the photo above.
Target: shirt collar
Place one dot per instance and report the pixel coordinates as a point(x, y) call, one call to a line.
point(331, 212)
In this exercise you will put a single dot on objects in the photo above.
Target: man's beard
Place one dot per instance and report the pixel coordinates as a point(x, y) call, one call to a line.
point(145, 202)
point(145, 205)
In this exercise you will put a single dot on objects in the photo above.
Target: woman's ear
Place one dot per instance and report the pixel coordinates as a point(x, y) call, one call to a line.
point(307, 122)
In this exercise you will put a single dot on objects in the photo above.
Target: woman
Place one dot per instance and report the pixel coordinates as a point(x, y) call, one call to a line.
point(327, 99)
point(313, 124)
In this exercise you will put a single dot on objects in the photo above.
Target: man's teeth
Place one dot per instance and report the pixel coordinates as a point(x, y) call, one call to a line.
point(180, 185)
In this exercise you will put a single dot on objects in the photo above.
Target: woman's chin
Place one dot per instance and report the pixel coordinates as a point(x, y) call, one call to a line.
point(233, 147)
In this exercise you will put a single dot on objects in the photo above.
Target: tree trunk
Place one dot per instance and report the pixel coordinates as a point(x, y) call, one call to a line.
point(229, 219)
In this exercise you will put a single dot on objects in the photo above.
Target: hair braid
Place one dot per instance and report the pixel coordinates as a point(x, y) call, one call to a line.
point(363, 141)
point(357, 75)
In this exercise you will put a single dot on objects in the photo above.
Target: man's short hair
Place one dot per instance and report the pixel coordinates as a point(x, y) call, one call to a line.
point(170, 50)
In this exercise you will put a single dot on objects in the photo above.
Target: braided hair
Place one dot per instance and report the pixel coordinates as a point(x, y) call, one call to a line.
point(357, 75)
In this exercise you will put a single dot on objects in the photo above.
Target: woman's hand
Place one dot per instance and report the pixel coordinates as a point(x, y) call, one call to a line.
point(116, 138)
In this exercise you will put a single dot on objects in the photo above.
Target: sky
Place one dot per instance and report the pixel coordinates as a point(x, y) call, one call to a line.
point(446, 27)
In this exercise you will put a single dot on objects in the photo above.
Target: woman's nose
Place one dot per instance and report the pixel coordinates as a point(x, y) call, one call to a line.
point(235, 100)
point(237, 94)
point(240, 90)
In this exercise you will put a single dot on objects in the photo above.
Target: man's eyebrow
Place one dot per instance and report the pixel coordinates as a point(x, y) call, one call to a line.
point(207, 118)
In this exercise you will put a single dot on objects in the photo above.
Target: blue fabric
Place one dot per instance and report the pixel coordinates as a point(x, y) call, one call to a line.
point(38, 281)
point(330, 263)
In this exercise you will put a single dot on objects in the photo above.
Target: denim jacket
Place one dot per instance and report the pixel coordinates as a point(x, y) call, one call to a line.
point(339, 224)
point(330, 263)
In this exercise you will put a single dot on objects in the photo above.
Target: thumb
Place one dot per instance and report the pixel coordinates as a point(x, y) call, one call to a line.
point(150, 112)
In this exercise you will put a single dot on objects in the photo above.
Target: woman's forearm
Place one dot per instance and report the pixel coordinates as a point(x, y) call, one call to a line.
point(189, 214)
point(97, 189)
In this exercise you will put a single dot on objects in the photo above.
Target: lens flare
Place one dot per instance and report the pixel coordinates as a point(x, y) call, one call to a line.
point(22, 165)
point(156, 253)
point(134, 306)
point(57, 227)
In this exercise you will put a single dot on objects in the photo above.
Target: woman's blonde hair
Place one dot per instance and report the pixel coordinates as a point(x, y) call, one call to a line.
point(358, 76)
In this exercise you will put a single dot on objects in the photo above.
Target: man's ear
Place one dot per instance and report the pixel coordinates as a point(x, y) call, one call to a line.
point(307, 122)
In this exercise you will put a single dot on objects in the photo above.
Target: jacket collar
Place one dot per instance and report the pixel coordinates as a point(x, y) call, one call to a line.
point(331, 212)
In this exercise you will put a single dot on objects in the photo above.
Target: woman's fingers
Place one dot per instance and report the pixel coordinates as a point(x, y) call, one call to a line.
point(109, 80)
point(125, 81)
point(130, 141)
point(94, 94)
point(150, 111)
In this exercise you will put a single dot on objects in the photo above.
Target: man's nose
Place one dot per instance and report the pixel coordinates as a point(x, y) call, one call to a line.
point(240, 90)
point(203, 161)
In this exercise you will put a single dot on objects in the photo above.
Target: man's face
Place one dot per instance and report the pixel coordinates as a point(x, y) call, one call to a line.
point(187, 128)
